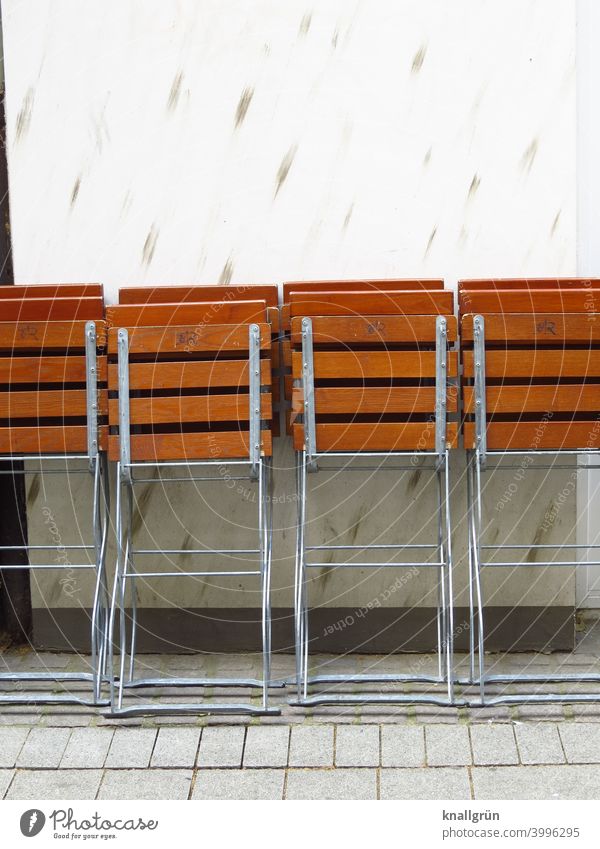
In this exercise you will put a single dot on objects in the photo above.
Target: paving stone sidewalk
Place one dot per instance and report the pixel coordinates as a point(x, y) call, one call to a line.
point(369, 752)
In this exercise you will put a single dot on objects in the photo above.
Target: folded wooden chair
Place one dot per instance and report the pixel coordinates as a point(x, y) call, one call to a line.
point(372, 373)
point(190, 391)
point(531, 396)
point(53, 408)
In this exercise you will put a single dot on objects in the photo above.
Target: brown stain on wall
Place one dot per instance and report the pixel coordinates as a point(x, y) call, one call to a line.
point(150, 245)
point(24, 115)
point(242, 107)
point(418, 59)
point(430, 240)
point(305, 24)
point(226, 274)
point(475, 183)
point(75, 191)
point(173, 99)
point(529, 156)
point(284, 168)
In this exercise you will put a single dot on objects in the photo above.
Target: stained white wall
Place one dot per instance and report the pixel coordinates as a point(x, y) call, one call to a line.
point(175, 141)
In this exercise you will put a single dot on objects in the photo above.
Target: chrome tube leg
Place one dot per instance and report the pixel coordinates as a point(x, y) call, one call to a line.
point(116, 594)
point(442, 589)
point(469, 471)
point(262, 521)
point(132, 581)
point(269, 546)
point(298, 576)
point(450, 591)
point(96, 625)
point(477, 572)
point(105, 530)
point(303, 577)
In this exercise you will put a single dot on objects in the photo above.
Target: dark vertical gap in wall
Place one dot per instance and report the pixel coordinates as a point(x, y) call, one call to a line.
point(15, 592)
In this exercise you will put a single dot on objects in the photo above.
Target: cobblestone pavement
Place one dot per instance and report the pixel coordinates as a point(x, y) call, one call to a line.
point(367, 752)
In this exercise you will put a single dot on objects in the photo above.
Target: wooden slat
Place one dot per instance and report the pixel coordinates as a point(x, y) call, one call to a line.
point(530, 283)
point(215, 445)
point(359, 286)
point(371, 303)
point(162, 315)
point(22, 335)
point(332, 365)
point(188, 338)
point(273, 319)
point(190, 408)
point(372, 330)
point(530, 301)
point(27, 404)
point(51, 309)
point(47, 369)
point(172, 294)
point(536, 328)
point(188, 374)
point(51, 290)
point(516, 363)
point(46, 440)
point(404, 399)
point(537, 435)
point(565, 398)
point(376, 437)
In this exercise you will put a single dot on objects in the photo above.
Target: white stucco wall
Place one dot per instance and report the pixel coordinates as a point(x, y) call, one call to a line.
point(167, 141)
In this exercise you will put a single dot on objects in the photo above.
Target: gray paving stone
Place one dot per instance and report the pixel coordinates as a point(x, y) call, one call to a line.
point(221, 746)
point(44, 747)
point(11, 743)
point(176, 747)
point(357, 745)
point(266, 746)
point(581, 742)
point(55, 784)
point(442, 783)
point(311, 745)
point(87, 748)
point(537, 782)
point(402, 745)
point(447, 745)
point(149, 784)
point(539, 743)
point(331, 784)
point(239, 784)
point(131, 747)
point(494, 744)
point(6, 776)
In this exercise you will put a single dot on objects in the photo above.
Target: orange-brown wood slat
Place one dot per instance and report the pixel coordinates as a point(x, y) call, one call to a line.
point(190, 408)
point(531, 283)
point(537, 435)
point(516, 363)
point(372, 329)
point(369, 399)
point(51, 290)
point(189, 374)
point(536, 328)
point(189, 339)
point(333, 365)
point(359, 286)
point(403, 436)
point(215, 445)
point(23, 335)
point(47, 439)
point(371, 303)
point(52, 402)
point(49, 369)
point(199, 293)
point(564, 398)
point(529, 301)
point(163, 315)
point(52, 309)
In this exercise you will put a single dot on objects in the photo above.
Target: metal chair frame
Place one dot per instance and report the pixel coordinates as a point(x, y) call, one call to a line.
point(477, 466)
point(307, 461)
point(98, 470)
point(254, 468)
